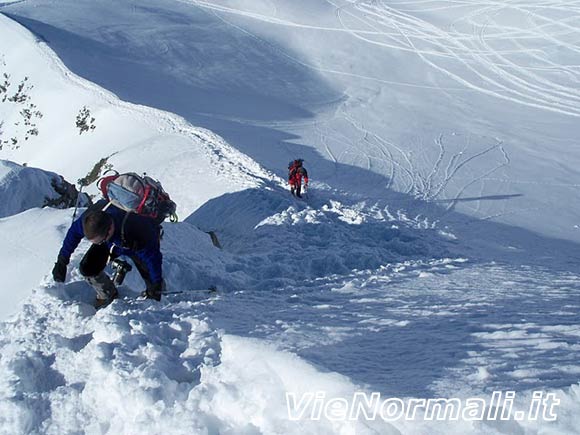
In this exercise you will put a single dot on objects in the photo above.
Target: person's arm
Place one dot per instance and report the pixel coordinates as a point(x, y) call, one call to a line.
point(144, 234)
point(73, 237)
point(153, 259)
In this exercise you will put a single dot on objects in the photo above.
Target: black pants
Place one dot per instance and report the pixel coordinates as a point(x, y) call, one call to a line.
point(97, 257)
point(296, 189)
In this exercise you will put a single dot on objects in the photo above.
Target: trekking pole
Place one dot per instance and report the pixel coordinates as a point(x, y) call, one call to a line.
point(77, 203)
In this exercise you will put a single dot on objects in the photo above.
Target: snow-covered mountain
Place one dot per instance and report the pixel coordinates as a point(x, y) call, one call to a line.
point(435, 254)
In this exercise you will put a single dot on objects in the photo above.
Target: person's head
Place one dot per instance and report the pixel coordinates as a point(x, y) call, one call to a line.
point(98, 227)
point(298, 162)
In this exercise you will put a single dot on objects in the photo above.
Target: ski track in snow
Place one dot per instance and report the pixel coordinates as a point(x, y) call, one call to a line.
point(425, 176)
point(472, 50)
point(313, 66)
point(471, 40)
point(525, 63)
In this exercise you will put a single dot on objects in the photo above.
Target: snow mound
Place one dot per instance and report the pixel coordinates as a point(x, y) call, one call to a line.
point(282, 241)
point(23, 188)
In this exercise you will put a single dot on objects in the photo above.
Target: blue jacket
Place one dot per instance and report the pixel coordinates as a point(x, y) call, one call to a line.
point(135, 236)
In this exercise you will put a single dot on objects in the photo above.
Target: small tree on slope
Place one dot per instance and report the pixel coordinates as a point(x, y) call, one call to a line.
point(16, 98)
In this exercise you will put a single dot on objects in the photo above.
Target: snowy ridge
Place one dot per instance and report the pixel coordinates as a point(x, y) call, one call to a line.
point(192, 156)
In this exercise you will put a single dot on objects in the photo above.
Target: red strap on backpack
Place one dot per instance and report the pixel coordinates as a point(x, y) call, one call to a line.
point(104, 182)
point(145, 196)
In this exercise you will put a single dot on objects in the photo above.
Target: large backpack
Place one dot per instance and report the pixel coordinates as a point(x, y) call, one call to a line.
point(292, 168)
point(138, 194)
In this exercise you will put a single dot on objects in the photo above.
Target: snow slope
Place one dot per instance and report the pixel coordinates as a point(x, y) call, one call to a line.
point(122, 130)
point(128, 136)
point(473, 102)
point(376, 283)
